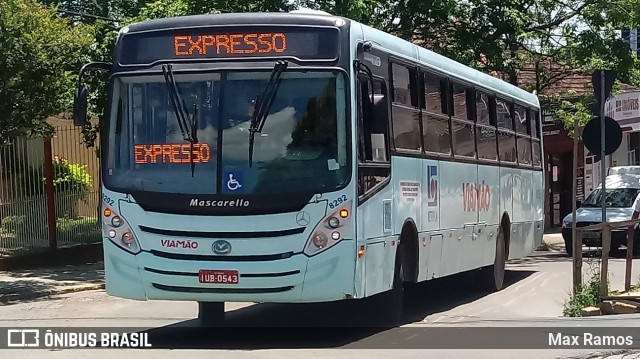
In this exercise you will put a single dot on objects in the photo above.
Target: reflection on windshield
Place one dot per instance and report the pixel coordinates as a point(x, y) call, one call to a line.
point(302, 146)
point(615, 198)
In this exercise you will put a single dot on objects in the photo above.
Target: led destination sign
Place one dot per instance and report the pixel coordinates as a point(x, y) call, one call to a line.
point(224, 43)
point(231, 44)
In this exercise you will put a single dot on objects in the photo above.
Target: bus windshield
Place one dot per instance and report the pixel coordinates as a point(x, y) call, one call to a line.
point(301, 148)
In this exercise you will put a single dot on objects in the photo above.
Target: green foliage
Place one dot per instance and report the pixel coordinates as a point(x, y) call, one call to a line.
point(571, 112)
point(67, 177)
point(588, 295)
point(41, 54)
point(495, 36)
point(80, 230)
point(71, 183)
point(70, 177)
point(23, 227)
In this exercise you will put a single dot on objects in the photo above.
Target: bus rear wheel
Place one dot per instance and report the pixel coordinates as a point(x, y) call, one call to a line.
point(211, 314)
point(493, 275)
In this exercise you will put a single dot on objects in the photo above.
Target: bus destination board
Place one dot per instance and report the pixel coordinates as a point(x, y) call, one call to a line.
point(224, 43)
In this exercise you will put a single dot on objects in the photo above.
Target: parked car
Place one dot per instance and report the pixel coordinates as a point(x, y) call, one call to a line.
point(622, 188)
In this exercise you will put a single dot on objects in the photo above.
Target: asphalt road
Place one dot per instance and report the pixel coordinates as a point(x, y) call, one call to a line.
point(536, 289)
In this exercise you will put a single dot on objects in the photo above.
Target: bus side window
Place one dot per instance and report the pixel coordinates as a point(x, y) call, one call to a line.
point(506, 135)
point(535, 138)
point(523, 130)
point(374, 165)
point(435, 119)
point(405, 113)
point(485, 129)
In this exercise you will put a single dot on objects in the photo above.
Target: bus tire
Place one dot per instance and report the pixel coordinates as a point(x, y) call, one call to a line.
point(211, 314)
point(493, 275)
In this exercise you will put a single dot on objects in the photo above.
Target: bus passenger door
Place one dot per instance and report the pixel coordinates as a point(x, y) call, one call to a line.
point(374, 218)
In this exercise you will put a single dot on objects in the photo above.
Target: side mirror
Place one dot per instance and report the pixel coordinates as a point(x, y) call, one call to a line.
point(80, 106)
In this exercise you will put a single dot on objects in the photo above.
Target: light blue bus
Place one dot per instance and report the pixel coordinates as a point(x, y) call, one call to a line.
point(301, 157)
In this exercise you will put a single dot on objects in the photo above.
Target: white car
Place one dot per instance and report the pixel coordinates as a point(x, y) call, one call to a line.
point(622, 187)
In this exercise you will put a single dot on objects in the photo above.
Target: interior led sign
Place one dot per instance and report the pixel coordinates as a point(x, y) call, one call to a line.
point(172, 153)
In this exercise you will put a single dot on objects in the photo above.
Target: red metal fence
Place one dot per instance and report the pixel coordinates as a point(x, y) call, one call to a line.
point(49, 193)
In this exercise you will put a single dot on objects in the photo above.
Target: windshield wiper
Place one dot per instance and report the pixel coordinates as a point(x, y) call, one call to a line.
point(189, 128)
point(263, 104)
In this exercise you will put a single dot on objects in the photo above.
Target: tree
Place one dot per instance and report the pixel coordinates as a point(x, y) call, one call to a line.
point(40, 55)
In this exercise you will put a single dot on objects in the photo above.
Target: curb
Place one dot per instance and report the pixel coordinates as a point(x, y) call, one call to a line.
point(5, 298)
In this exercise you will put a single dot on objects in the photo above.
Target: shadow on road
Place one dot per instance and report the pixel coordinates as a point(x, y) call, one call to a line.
point(27, 285)
point(320, 325)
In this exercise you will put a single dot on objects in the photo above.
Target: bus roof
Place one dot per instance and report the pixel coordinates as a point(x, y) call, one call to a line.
point(254, 19)
point(397, 46)
point(445, 65)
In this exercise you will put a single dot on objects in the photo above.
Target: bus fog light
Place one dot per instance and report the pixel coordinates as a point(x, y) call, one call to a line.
point(112, 233)
point(334, 222)
point(320, 240)
point(116, 221)
point(127, 238)
point(335, 235)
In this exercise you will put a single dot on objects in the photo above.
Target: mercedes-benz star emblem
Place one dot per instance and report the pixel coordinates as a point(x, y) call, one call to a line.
point(221, 247)
point(303, 218)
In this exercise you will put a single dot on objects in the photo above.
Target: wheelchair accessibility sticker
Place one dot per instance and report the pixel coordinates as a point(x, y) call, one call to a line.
point(233, 180)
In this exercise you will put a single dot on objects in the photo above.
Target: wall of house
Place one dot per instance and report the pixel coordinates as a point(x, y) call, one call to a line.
point(620, 157)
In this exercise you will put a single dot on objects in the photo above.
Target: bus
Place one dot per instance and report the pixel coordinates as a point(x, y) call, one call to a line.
point(300, 158)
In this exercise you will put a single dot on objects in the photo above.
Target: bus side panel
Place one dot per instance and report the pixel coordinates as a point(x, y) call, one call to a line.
point(458, 190)
point(429, 249)
point(460, 196)
point(431, 196)
point(490, 175)
point(489, 217)
point(518, 191)
point(407, 182)
point(538, 206)
point(521, 241)
point(377, 272)
point(506, 192)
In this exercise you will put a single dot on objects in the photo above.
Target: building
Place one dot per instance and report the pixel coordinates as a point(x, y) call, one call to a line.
point(571, 84)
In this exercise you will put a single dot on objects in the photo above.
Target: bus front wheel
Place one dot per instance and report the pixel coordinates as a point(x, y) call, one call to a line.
point(211, 313)
point(493, 275)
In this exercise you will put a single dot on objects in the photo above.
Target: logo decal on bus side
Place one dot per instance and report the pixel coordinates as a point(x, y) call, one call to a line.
point(432, 186)
point(476, 197)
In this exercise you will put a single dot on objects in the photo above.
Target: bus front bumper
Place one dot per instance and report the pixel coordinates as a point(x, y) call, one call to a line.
point(326, 276)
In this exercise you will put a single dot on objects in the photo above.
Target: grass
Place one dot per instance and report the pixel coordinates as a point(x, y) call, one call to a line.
point(19, 231)
point(587, 296)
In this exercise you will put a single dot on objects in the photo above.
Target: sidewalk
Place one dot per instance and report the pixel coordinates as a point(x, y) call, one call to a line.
point(26, 284)
point(554, 241)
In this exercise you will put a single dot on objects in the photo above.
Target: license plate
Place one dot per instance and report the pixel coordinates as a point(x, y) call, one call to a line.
point(218, 276)
point(591, 235)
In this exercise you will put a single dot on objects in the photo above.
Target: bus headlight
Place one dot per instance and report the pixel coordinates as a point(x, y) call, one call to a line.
point(330, 230)
point(116, 221)
point(320, 240)
point(119, 231)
